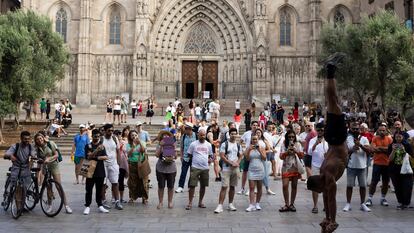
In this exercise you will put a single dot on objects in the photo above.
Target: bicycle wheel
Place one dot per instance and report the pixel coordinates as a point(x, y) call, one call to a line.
point(51, 198)
point(31, 196)
point(17, 201)
point(6, 195)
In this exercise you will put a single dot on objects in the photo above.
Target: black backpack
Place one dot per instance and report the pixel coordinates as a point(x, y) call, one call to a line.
point(226, 152)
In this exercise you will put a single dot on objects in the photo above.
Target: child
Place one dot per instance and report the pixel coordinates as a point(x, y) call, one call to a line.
point(262, 120)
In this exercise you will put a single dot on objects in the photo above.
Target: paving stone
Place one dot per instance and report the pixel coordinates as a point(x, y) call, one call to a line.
point(137, 218)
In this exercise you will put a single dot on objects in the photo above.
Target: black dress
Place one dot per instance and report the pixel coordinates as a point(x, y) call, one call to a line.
point(150, 111)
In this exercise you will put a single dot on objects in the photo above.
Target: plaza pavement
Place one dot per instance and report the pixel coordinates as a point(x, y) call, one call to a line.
point(138, 218)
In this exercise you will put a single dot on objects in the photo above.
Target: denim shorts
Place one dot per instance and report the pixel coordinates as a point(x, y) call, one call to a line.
point(353, 173)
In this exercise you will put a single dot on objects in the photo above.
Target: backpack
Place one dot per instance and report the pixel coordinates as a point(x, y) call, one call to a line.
point(226, 152)
point(60, 158)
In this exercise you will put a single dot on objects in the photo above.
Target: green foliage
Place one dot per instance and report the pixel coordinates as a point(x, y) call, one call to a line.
point(380, 58)
point(32, 58)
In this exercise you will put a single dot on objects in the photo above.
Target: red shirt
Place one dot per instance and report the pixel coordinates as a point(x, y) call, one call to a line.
point(296, 114)
point(368, 135)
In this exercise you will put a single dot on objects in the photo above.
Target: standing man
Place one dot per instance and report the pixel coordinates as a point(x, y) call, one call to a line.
point(237, 104)
point(134, 108)
point(318, 148)
point(231, 155)
point(42, 108)
point(78, 150)
point(201, 154)
point(142, 134)
point(358, 146)
point(117, 109)
point(246, 138)
point(188, 137)
point(380, 170)
point(111, 145)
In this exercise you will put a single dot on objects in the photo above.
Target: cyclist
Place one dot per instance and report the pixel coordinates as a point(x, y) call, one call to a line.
point(50, 156)
point(19, 154)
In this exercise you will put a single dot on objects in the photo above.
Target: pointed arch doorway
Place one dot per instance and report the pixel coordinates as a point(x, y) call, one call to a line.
point(199, 76)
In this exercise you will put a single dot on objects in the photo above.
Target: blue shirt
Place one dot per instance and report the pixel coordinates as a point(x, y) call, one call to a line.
point(186, 141)
point(80, 142)
point(144, 136)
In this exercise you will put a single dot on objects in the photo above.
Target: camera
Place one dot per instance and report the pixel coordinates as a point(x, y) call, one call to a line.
point(256, 146)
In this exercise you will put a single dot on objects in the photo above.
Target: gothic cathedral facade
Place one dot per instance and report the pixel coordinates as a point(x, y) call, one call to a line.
point(245, 49)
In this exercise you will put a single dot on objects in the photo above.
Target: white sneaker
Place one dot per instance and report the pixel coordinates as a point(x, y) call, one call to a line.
point(219, 209)
point(49, 209)
point(270, 192)
point(241, 192)
point(347, 207)
point(258, 206)
point(102, 209)
point(250, 208)
point(231, 207)
point(68, 209)
point(365, 208)
point(86, 211)
point(179, 190)
point(247, 193)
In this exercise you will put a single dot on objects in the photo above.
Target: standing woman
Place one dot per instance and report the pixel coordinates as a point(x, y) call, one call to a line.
point(108, 115)
point(255, 154)
point(123, 162)
point(138, 187)
point(47, 109)
point(290, 171)
point(166, 169)
point(267, 169)
point(191, 109)
point(150, 109)
point(237, 120)
point(139, 107)
point(47, 152)
point(248, 119)
point(403, 183)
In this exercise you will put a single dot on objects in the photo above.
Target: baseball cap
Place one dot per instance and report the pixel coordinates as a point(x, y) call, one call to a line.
point(82, 126)
point(189, 125)
point(138, 123)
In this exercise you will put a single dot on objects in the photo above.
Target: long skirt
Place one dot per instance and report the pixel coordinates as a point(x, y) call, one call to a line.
point(138, 188)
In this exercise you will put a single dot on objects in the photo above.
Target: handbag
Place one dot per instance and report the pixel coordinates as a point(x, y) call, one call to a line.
point(88, 168)
point(406, 166)
point(144, 168)
point(301, 167)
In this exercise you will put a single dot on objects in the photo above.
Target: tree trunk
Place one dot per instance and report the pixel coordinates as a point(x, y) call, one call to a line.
point(17, 116)
point(1, 130)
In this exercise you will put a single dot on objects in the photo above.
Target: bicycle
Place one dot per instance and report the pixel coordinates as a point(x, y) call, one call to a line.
point(14, 195)
point(51, 195)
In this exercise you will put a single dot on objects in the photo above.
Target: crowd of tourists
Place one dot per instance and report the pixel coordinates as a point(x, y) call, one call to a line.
point(273, 147)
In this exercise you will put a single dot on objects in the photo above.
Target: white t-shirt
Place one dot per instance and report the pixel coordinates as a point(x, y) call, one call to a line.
point(211, 106)
point(198, 110)
point(117, 104)
point(246, 138)
point(134, 105)
point(237, 104)
point(54, 127)
point(318, 155)
point(57, 107)
point(110, 148)
point(201, 153)
point(203, 127)
point(358, 159)
point(302, 137)
point(170, 109)
point(232, 153)
point(275, 140)
point(176, 103)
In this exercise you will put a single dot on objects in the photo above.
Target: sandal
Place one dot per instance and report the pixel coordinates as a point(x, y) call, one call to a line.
point(188, 207)
point(292, 208)
point(284, 209)
point(315, 210)
point(202, 206)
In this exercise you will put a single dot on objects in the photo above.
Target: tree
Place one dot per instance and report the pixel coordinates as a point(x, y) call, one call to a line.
point(32, 59)
point(379, 62)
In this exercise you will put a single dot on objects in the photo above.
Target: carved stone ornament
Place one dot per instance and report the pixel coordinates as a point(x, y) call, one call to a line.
point(200, 40)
